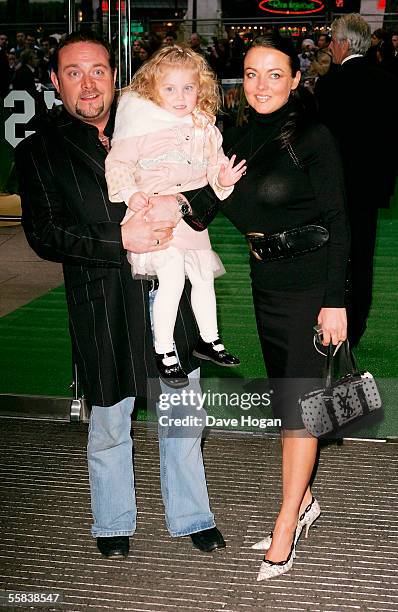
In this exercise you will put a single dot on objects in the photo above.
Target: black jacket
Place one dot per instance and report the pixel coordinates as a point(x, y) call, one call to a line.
point(68, 218)
point(358, 102)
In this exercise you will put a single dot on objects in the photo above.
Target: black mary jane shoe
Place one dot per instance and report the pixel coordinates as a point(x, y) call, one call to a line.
point(172, 375)
point(208, 540)
point(208, 351)
point(115, 546)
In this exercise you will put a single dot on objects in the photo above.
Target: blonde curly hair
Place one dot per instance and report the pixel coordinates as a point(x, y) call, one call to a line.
point(144, 81)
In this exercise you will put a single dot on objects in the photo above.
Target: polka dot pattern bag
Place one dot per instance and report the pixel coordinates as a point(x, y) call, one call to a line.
point(342, 402)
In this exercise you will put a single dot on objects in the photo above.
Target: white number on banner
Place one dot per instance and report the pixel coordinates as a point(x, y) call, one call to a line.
point(29, 112)
point(16, 118)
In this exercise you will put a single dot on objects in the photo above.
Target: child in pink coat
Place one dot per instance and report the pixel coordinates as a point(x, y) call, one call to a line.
point(165, 142)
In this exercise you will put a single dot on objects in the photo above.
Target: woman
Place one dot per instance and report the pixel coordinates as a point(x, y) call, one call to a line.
point(294, 180)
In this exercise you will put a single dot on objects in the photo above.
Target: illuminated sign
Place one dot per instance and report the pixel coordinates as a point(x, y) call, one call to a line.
point(292, 7)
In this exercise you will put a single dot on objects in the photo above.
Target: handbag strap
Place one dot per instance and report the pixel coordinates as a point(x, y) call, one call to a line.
point(349, 358)
point(351, 365)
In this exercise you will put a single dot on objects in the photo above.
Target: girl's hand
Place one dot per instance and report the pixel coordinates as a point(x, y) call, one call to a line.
point(229, 175)
point(334, 325)
point(138, 201)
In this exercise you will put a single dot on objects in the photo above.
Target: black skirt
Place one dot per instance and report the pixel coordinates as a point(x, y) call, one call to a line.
point(285, 321)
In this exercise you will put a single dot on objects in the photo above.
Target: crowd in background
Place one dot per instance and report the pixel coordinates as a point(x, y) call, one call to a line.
point(25, 60)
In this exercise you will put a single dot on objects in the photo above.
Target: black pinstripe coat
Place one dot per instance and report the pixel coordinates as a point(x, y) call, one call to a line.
point(68, 218)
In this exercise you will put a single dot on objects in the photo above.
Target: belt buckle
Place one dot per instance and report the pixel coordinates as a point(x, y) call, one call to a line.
point(254, 235)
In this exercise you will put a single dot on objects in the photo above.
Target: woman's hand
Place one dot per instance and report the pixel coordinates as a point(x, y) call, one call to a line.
point(333, 322)
point(164, 208)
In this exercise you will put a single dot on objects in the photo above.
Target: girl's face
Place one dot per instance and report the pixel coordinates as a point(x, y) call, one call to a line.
point(177, 90)
point(268, 79)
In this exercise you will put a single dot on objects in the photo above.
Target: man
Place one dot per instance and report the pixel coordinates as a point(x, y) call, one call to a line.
point(358, 103)
point(3, 41)
point(320, 65)
point(196, 44)
point(170, 38)
point(25, 75)
point(394, 41)
point(20, 43)
point(5, 74)
point(67, 217)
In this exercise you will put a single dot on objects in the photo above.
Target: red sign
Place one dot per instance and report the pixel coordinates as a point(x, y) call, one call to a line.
point(292, 7)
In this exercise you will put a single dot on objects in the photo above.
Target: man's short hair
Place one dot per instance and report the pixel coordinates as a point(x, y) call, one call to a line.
point(83, 36)
point(326, 37)
point(355, 30)
point(27, 56)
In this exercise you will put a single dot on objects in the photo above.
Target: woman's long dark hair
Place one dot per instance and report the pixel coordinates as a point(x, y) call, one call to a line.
point(303, 101)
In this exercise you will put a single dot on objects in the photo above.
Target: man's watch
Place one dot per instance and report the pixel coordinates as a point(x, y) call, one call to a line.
point(183, 206)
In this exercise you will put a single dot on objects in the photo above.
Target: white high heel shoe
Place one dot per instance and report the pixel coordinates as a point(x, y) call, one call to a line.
point(307, 518)
point(272, 569)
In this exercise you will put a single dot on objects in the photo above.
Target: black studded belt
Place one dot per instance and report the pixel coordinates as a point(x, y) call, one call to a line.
point(153, 284)
point(288, 244)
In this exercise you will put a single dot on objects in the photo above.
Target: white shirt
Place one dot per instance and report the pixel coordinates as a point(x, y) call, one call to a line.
point(351, 57)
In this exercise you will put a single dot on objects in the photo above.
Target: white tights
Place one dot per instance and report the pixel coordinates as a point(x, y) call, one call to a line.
point(171, 275)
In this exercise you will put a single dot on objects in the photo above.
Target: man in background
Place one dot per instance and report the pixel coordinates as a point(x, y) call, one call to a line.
point(322, 60)
point(358, 104)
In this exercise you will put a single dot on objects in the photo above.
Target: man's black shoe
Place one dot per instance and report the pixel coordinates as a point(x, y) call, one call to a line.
point(215, 352)
point(208, 539)
point(116, 546)
point(172, 375)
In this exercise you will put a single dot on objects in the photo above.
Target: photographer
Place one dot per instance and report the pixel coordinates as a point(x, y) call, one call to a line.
point(322, 60)
point(306, 57)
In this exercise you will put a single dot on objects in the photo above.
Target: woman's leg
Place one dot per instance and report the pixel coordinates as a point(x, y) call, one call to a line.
point(307, 498)
point(299, 451)
point(284, 322)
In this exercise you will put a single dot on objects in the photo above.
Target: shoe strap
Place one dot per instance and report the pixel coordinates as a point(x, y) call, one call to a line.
point(308, 508)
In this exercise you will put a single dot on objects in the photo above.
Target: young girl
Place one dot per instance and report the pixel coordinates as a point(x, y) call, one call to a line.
point(165, 142)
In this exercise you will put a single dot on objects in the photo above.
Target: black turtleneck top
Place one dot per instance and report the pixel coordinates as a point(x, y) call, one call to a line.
point(276, 194)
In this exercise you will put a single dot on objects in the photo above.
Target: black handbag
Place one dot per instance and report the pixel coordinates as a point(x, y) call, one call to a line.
point(342, 402)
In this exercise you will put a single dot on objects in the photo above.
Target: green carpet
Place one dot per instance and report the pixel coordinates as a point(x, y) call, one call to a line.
point(35, 357)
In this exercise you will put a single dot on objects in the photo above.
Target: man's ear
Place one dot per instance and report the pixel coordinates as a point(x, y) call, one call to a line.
point(54, 80)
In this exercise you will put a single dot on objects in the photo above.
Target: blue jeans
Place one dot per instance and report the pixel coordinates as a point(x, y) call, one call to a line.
point(182, 476)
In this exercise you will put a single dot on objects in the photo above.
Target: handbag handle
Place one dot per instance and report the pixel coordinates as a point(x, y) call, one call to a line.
point(350, 363)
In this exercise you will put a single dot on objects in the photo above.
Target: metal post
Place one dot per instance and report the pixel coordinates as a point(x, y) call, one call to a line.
point(128, 50)
point(71, 11)
point(76, 404)
point(119, 46)
point(194, 15)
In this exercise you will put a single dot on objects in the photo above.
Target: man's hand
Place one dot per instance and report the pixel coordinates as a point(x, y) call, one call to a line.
point(142, 236)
